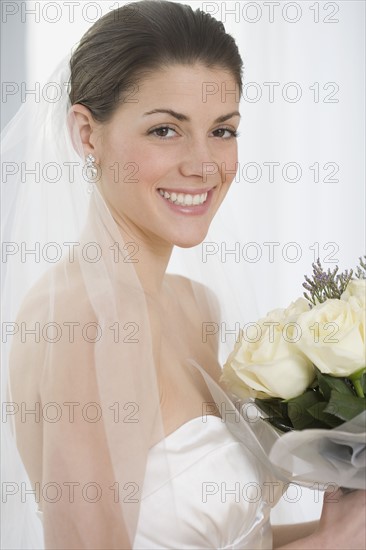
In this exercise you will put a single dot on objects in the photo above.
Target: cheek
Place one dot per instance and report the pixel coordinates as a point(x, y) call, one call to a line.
point(132, 175)
point(120, 168)
point(229, 166)
point(151, 167)
point(141, 166)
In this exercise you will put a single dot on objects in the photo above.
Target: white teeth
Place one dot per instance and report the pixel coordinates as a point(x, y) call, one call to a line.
point(184, 199)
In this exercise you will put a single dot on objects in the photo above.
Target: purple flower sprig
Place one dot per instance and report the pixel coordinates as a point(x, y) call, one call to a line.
point(361, 269)
point(325, 285)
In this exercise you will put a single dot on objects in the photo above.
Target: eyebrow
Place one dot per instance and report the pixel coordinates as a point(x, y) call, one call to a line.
point(182, 117)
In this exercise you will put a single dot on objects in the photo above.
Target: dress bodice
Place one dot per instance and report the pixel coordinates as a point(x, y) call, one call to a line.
point(217, 489)
point(221, 493)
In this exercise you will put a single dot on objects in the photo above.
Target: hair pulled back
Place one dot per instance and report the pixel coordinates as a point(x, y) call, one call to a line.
point(130, 42)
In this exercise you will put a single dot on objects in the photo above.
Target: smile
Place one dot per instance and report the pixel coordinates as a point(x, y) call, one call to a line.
point(183, 198)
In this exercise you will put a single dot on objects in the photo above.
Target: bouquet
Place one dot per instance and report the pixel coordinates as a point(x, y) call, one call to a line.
point(305, 369)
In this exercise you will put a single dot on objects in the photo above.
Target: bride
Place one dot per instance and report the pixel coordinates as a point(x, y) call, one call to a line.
point(114, 392)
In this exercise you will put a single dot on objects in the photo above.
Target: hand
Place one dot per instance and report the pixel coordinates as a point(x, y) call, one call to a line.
point(342, 525)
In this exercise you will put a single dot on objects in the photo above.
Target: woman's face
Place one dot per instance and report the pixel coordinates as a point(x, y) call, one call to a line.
point(169, 153)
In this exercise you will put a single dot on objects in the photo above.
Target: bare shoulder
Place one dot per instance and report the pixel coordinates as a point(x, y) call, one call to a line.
point(60, 284)
point(56, 301)
point(201, 308)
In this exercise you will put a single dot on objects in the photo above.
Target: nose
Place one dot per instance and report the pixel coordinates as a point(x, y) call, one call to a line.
point(198, 160)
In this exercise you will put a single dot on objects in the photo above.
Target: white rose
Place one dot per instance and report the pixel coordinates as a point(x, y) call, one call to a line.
point(355, 293)
point(333, 336)
point(270, 365)
point(292, 312)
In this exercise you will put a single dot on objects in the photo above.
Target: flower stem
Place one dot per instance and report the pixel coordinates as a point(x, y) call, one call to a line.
point(356, 381)
point(358, 388)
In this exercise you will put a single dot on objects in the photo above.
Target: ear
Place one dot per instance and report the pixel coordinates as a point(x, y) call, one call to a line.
point(83, 130)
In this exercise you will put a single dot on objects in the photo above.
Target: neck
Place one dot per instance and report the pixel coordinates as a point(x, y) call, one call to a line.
point(148, 254)
point(151, 265)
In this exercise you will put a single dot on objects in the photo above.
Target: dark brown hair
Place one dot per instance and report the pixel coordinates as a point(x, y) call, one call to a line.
point(125, 45)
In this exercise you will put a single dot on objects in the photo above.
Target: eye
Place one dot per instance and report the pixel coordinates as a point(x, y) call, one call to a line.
point(162, 132)
point(225, 133)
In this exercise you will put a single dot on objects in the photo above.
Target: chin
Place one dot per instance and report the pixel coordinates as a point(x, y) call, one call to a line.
point(189, 241)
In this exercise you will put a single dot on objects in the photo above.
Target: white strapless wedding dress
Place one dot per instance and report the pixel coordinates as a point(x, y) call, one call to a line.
point(218, 489)
point(222, 493)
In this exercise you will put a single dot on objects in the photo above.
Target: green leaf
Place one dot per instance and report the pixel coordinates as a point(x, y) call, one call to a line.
point(272, 407)
point(276, 409)
point(318, 412)
point(345, 407)
point(298, 410)
point(328, 383)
